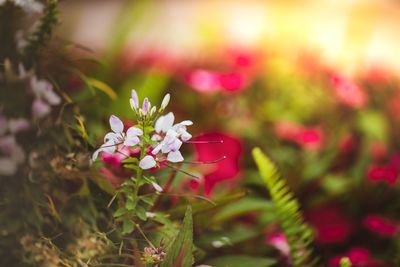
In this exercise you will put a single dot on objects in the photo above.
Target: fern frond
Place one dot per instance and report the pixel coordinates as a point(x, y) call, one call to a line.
point(42, 34)
point(297, 232)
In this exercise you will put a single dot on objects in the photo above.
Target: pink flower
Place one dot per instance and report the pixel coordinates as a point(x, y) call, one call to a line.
point(385, 173)
point(358, 256)
point(348, 93)
point(279, 241)
point(224, 170)
point(331, 224)
point(309, 138)
point(381, 225)
point(208, 81)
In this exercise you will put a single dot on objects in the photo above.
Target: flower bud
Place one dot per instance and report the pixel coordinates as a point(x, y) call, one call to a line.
point(165, 102)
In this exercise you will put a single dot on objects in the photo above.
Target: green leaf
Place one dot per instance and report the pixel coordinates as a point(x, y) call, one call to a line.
point(241, 207)
point(127, 227)
point(130, 204)
point(287, 207)
point(101, 86)
point(180, 254)
point(240, 261)
point(119, 212)
point(141, 213)
point(345, 262)
point(148, 200)
point(206, 205)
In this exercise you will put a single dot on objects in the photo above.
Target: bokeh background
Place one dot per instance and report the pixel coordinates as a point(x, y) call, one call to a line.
point(314, 84)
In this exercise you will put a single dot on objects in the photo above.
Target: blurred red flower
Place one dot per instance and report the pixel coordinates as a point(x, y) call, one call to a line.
point(380, 225)
point(226, 169)
point(348, 93)
point(358, 256)
point(331, 225)
point(385, 173)
point(309, 138)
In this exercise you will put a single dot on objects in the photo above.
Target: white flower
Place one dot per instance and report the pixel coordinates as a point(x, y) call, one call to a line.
point(174, 136)
point(44, 97)
point(147, 162)
point(13, 153)
point(118, 137)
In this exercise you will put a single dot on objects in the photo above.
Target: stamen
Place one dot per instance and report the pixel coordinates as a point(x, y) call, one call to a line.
point(205, 162)
point(116, 144)
point(179, 170)
point(205, 142)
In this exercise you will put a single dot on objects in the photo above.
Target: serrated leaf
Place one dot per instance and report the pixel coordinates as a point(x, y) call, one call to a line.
point(240, 261)
point(179, 254)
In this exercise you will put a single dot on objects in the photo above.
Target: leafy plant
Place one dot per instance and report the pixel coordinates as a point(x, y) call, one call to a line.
point(297, 232)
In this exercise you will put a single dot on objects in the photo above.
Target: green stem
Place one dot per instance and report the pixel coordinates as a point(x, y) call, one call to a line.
point(139, 172)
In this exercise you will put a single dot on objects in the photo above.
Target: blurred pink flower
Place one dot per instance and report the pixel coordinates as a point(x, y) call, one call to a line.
point(385, 173)
point(332, 226)
point(279, 241)
point(348, 93)
point(309, 138)
point(208, 81)
point(224, 170)
point(358, 256)
point(381, 225)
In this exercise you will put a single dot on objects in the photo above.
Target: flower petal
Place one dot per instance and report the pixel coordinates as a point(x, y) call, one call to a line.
point(134, 131)
point(111, 136)
point(175, 156)
point(147, 162)
point(134, 101)
point(157, 187)
point(132, 141)
point(116, 124)
point(157, 149)
point(164, 123)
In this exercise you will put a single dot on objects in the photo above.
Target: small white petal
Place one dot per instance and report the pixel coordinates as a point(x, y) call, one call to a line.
point(186, 123)
point(40, 108)
point(157, 149)
point(150, 214)
point(165, 101)
point(132, 141)
point(164, 123)
point(116, 124)
point(134, 131)
point(111, 136)
point(185, 136)
point(135, 99)
point(175, 156)
point(147, 162)
point(157, 187)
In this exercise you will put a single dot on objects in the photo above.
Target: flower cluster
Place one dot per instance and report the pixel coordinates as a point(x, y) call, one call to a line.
point(155, 136)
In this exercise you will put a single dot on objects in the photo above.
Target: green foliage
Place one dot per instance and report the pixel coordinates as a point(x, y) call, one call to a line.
point(43, 33)
point(297, 232)
point(179, 253)
point(240, 261)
